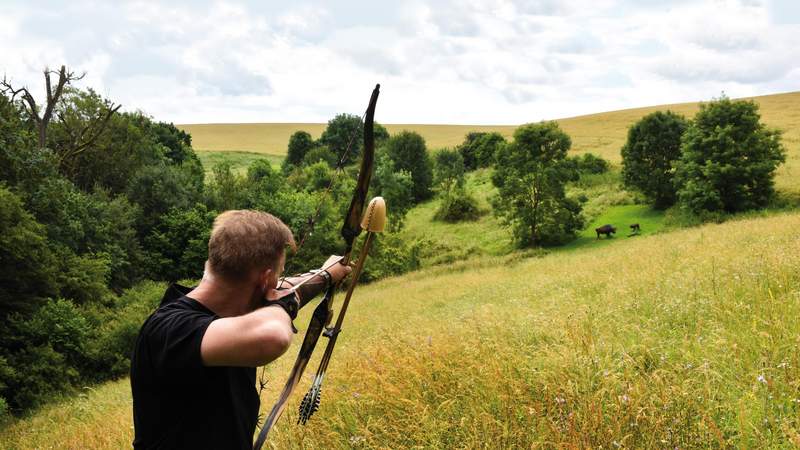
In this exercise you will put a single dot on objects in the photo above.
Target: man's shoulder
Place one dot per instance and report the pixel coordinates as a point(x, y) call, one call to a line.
point(177, 310)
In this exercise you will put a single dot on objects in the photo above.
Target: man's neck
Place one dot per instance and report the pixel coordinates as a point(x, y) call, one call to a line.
point(224, 299)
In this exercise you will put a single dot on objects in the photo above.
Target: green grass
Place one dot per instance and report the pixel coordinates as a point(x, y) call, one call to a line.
point(650, 220)
point(239, 161)
point(685, 339)
point(447, 242)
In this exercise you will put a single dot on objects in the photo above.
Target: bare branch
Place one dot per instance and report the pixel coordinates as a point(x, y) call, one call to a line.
point(100, 123)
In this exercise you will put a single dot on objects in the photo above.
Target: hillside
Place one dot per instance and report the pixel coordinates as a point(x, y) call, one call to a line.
point(602, 133)
point(685, 339)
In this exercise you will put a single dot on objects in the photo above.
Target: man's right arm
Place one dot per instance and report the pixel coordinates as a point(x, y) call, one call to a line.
point(250, 340)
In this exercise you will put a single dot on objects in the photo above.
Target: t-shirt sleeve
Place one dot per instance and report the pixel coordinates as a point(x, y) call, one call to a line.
point(174, 339)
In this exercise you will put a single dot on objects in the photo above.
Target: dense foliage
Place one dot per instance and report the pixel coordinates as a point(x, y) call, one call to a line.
point(479, 149)
point(728, 159)
point(649, 155)
point(456, 203)
point(91, 229)
point(408, 152)
point(530, 175)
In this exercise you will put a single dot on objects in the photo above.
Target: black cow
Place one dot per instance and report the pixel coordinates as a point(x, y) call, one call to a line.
point(608, 230)
point(635, 229)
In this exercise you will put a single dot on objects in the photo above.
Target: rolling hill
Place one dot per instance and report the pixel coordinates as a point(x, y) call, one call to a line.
point(601, 133)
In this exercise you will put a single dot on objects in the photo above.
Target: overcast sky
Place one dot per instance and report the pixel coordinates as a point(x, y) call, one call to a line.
point(468, 62)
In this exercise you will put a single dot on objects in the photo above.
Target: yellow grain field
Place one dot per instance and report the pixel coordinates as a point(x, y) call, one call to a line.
point(602, 133)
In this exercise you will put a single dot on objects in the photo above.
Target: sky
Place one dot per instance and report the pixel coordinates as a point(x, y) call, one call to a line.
point(459, 61)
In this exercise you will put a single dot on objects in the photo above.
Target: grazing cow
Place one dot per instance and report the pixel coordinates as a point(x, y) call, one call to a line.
point(608, 230)
point(635, 229)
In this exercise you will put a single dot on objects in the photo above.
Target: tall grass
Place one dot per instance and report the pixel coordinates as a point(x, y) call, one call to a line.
point(687, 339)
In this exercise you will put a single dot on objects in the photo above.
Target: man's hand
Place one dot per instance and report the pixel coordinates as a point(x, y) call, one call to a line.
point(336, 268)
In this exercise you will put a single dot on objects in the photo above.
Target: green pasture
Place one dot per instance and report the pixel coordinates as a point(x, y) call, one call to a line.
point(239, 161)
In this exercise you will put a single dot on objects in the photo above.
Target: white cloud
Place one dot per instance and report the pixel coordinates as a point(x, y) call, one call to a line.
point(442, 61)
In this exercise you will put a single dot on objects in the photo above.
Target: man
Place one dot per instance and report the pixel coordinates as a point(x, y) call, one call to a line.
point(193, 370)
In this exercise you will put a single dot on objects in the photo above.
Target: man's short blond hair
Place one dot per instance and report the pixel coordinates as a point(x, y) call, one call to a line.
point(244, 240)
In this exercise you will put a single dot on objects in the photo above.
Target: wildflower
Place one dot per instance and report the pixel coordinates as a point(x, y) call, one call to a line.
point(761, 379)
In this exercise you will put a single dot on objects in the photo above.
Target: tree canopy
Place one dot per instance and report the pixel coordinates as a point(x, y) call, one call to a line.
point(531, 174)
point(648, 156)
point(728, 159)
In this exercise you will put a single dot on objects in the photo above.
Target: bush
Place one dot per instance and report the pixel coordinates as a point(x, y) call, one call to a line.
point(320, 154)
point(43, 353)
point(390, 255)
point(457, 207)
point(118, 328)
point(591, 164)
point(729, 159)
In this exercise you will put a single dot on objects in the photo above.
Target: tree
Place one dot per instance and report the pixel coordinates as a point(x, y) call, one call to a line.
point(299, 144)
point(479, 149)
point(456, 203)
point(65, 78)
point(448, 173)
point(343, 131)
point(729, 159)
point(396, 186)
point(408, 152)
point(530, 175)
point(28, 268)
point(648, 156)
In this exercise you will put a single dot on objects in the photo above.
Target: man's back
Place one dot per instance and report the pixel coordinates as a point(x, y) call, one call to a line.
point(177, 401)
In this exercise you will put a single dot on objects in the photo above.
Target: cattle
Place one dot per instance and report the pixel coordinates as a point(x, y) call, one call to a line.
point(607, 229)
point(635, 229)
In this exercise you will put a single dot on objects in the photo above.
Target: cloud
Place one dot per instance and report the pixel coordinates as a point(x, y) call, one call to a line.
point(466, 61)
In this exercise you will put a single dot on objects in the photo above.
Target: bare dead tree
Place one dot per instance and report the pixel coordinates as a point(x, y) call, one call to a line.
point(83, 137)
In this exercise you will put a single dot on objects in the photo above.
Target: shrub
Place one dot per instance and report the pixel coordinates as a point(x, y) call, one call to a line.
point(591, 163)
point(457, 206)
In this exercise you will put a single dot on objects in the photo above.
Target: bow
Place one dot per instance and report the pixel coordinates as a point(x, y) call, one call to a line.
point(324, 311)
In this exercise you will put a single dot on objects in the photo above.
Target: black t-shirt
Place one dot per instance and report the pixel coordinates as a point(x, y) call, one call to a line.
point(177, 401)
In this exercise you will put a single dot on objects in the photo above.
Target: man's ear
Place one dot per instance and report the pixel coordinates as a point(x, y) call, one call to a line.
point(264, 276)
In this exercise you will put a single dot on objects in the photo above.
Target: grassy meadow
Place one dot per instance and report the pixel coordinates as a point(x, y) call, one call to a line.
point(685, 339)
point(602, 133)
point(678, 338)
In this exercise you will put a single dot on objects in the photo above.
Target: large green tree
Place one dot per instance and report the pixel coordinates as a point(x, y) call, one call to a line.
point(344, 136)
point(728, 159)
point(531, 174)
point(408, 152)
point(653, 146)
point(299, 144)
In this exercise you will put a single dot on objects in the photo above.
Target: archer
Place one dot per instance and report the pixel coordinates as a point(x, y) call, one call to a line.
point(193, 369)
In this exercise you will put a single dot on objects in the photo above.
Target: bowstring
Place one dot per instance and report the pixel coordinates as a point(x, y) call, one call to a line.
point(262, 380)
point(338, 171)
